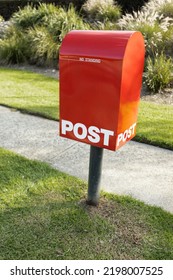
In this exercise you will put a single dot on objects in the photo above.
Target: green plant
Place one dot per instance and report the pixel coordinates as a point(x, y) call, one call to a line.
point(167, 10)
point(63, 22)
point(26, 17)
point(30, 15)
point(72, 21)
point(102, 10)
point(158, 73)
point(14, 47)
point(36, 34)
point(157, 5)
point(106, 25)
point(46, 38)
point(44, 46)
point(154, 27)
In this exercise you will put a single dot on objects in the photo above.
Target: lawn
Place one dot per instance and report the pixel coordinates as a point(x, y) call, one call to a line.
point(43, 215)
point(155, 124)
point(38, 94)
point(29, 92)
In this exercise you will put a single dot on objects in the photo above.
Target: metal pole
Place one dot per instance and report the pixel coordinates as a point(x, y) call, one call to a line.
point(95, 169)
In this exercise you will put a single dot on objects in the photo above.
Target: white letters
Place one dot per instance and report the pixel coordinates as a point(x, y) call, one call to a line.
point(81, 132)
point(106, 133)
point(82, 127)
point(66, 126)
point(126, 134)
point(93, 133)
point(120, 137)
point(94, 137)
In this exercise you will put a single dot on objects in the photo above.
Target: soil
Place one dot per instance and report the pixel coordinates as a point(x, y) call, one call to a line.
point(164, 97)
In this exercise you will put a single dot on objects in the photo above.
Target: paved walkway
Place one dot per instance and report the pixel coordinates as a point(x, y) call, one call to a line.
point(142, 171)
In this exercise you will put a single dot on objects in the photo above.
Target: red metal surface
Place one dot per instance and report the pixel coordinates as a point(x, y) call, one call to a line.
point(100, 82)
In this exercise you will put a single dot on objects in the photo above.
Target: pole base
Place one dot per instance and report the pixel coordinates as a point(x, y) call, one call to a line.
point(92, 203)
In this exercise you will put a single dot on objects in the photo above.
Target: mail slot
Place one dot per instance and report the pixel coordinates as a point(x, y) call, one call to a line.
point(100, 83)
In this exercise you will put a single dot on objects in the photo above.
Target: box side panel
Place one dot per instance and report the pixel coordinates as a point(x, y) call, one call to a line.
point(133, 64)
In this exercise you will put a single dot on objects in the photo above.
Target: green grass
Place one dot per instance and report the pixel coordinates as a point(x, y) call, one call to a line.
point(43, 215)
point(38, 94)
point(29, 92)
point(155, 125)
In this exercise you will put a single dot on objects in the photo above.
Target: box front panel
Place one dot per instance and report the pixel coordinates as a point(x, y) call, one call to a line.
point(89, 99)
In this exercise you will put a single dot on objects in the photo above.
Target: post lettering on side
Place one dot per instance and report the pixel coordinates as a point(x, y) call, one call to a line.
point(124, 136)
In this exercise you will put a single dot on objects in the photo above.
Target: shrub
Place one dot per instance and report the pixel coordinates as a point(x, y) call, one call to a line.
point(30, 15)
point(26, 17)
point(156, 5)
point(64, 21)
point(169, 43)
point(165, 20)
point(106, 25)
point(14, 47)
point(153, 26)
point(36, 34)
point(158, 73)
point(44, 48)
point(56, 19)
point(167, 10)
point(46, 39)
point(2, 27)
point(102, 10)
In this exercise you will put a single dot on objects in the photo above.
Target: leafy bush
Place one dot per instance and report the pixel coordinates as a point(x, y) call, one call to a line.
point(164, 8)
point(30, 15)
point(156, 5)
point(14, 47)
point(102, 10)
point(167, 10)
point(36, 34)
point(106, 25)
point(64, 21)
point(46, 38)
point(158, 73)
point(72, 21)
point(44, 49)
point(26, 17)
point(153, 26)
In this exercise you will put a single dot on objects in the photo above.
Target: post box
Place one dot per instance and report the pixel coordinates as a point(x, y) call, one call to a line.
point(100, 83)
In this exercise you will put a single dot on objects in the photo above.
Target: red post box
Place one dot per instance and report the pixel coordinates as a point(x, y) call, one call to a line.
point(100, 83)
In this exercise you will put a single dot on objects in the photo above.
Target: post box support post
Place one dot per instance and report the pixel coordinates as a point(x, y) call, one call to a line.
point(95, 169)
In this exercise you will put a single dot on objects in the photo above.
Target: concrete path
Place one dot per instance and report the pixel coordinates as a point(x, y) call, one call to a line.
point(142, 171)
